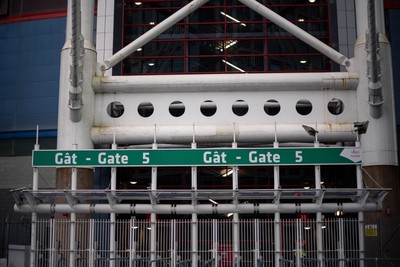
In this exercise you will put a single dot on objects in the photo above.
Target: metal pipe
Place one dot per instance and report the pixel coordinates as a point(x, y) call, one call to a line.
point(297, 32)
point(264, 208)
point(277, 215)
point(35, 186)
point(226, 83)
point(167, 134)
point(75, 102)
point(152, 33)
point(113, 186)
point(375, 96)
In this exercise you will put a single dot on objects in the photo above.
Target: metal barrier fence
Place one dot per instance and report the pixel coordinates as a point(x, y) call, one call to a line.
point(211, 243)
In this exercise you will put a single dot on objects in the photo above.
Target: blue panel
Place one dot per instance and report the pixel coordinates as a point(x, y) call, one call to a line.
point(11, 60)
point(29, 74)
point(7, 122)
point(7, 107)
point(8, 76)
point(9, 46)
point(28, 122)
point(48, 57)
point(43, 27)
point(39, 89)
point(11, 30)
point(43, 42)
point(9, 92)
point(37, 105)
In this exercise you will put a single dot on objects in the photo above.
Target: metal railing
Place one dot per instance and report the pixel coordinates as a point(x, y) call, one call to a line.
point(214, 241)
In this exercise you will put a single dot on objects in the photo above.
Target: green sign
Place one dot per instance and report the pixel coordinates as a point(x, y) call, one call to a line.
point(196, 157)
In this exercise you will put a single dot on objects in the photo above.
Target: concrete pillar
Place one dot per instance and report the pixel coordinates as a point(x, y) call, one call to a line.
point(379, 143)
point(77, 134)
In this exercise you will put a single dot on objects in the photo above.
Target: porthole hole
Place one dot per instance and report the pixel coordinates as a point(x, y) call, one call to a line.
point(115, 109)
point(272, 107)
point(208, 108)
point(176, 108)
point(303, 107)
point(335, 106)
point(240, 108)
point(145, 109)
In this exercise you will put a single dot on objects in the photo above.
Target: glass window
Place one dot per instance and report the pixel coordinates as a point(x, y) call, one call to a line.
point(225, 36)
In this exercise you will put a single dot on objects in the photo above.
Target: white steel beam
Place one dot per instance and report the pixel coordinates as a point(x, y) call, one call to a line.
point(263, 208)
point(264, 133)
point(226, 82)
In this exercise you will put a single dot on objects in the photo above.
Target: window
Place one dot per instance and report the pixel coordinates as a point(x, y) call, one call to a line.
point(225, 37)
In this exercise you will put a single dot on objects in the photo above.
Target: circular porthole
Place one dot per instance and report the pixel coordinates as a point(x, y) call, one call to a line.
point(145, 109)
point(335, 106)
point(303, 107)
point(272, 107)
point(208, 108)
point(115, 109)
point(240, 108)
point(176, 108)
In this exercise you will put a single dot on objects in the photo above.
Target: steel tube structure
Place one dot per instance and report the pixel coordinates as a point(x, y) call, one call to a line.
point(245, 134)
point(264, 208)
point(226, 82)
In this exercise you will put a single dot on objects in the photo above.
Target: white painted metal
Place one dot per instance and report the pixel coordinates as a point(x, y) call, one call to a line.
point(215, 242)
point(247, 133)
point(376, 150)
point(75, 103)
point(199, 209)
point(332, 81)
point(69, 132)
point(35, 186)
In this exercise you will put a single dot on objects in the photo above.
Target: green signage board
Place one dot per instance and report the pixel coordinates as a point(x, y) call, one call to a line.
point(196, 157)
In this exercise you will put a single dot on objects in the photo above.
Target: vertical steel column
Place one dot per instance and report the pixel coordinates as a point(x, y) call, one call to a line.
point(52, 241)
point(173, 242)
point(319, 214)
point(299, 238)
point(257, 257)
point(195, 226)
point(91, 256)
point(35, 186)
point(341, 243)
point(113, 187)
point(277, 215)
point(235, 228)
point(132, 242)
point(215, 241)
point(153, 216)
point(72, 241)
point(360, 185)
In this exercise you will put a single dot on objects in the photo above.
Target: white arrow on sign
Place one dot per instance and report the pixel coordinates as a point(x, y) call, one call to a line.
point(353, 154)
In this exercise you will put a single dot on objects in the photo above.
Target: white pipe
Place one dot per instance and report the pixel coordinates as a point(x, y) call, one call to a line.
point(113, 186)
point(75, 102)
point(264, 208)
point(297, 32)
point(167, 134)
point(35, 186)
point(152, 33)
point(277, 215)
point(226, 82)
point(72, 240)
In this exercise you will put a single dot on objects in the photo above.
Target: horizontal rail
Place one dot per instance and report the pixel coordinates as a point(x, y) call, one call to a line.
point(226, 82)
point(167, 134)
